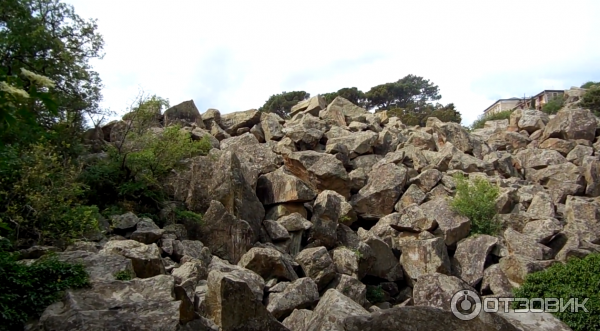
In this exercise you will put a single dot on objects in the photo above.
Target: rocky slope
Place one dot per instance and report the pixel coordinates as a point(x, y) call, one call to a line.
point(303, 218)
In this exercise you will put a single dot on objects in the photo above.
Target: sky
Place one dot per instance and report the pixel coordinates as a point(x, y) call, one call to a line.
point(233, 55)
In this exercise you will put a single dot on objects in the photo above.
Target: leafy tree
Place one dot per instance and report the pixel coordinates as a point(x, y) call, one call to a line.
point(446, 113)
point(554, 105)
point(591, 99)
point(590, 84)
point(352, 94)
point(476, 200)
point(480, 122)
point(47, 38)
point(410, 92)
point(281, 104)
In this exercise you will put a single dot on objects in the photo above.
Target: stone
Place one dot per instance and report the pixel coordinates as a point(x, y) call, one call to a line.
point(413, 195)
point(532, 120)
point(280, 186)
point(495, 281)
point(350, 287)
point(251, 278)
point(571, 124)
point(451, 225)
point(356, 143)
point(517, 267)
point(559, 145)
point(268, 263)
point(231, 122)
point(146, 259)
point(99, 266)
point(542, 231)
point(284, 209)
point(591, 173)
point(454, 134)
point(533, 321)
point(421, 257)
point(386, 264)
point(321, 171)
point(299, 294)
point(422, 140)
point(383, 189)
point(470, 258)
point(539, 159)
point(341, 112)
point(232, 305)
point(436, 290)
point(332, 310)
point(185, 114)
point(309, 106)
point(139, 304)
point(317, 264)
point(276, 231)
point(526, 246)
point(124, 222)
point(329, 209)
point(227, 236)
point(271, 126)
point(298, 319)
point(294, 222)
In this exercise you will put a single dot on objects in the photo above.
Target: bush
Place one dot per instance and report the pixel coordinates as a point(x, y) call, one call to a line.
point(554, 105)
point(476, 200)
point(375, 294)
point(25, 291)
point(591, 100)
point(123, 275)
point(480, 122)
point(578, 278)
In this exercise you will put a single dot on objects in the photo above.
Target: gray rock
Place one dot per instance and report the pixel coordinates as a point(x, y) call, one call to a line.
point(470, 257)
point(421, 257)
point(185, 114)
point(268, 263)
point(452, 226)
point(383, 189)
point(317, 264)
point(146, 259)
point(321, 171)
point(332, 310)
point(99, 266)
point(297, 295)
point(231, 122)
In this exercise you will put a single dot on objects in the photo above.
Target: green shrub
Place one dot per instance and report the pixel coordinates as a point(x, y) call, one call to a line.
point(25, 291)
point(480, 122)
point(554, 105)
point(591, 100)
point(375, 294)
point(123, 275)
point(182, 215)
point(578, 278)
point(476, 200)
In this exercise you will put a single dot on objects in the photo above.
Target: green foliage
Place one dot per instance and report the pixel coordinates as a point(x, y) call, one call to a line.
point(352, 94)
point(182, 215)
point(480, 122)
point(591, 99)
point(578, 278)
point(590, 84)
point(147, 113)
point(554, 105)
point(357, 253)
point(411, 117)
point(410, 92)
point(375, 294)
point(25, 291)
point(476, 200)
point(124, 275)
point(281, 104)
point(44, 198)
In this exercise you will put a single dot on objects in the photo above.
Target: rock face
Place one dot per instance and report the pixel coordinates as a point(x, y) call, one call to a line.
point(321, 171)
point(383, 189)
point(280, 186)
point(184, 113)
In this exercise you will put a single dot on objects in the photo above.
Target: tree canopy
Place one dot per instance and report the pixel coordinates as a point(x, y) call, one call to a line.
point(281, 104)
point(352, 94)
point(410, 92)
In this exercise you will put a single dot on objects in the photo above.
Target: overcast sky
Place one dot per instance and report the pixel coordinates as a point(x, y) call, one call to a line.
point(233, 55)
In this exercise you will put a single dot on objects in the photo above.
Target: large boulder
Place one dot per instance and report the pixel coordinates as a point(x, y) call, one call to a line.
point(310, 106)
point(329, 209)
point(470, 257)
point(451, 225)
point(280, 186)
point(452, 133)
point(268, 263)
point(233, 306)
point(271, 126)
point(146, 259)
point(321, 171)
point(227, 236)
point(231, 122)
point(383, 189)
point(342, 112)
point(184, 114)
point(332, 310)
point(99, 266)
point(317, 264)
point(422, 257)
point(259, 158)
point(299, 294)
point(356, 144)
point(571, 124)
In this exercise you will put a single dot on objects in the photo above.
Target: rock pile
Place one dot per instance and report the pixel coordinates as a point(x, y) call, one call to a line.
point(339, 219)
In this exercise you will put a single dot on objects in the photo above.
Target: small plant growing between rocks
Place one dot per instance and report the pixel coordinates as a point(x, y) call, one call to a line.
point(476, 200)
point(357, 253)
point(578, 278)
point(375, 294)
point(124, 275)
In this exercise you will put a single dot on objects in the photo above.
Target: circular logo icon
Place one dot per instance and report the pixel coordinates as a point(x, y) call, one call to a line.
point(465, 305)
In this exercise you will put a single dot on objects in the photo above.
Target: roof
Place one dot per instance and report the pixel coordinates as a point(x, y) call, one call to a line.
point(544, 91)
point(500, 100)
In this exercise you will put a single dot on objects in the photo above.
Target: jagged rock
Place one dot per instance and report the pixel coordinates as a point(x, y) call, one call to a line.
point(517, 267)
point(147, 232)
point(294, 222)
point(356, 144)
point(322, 171)
point(579, 153)
point(526, 246)
point(591, 173)
point(298, 319)
point(271, 126)
point(421, 257)
point(285, 209)
point(495, 280)
point(423, 318)
point(413, 195)
point(139, 304)
point(86, 246)
point(124, 222)
point(341, 112)
point(539, 159)
point(329, 209)
point(185, 114)
point(451, 225)
point(280, 186)
point(190, 271)
point(233, 306)
point(533, 321)
point(276, 231)
point(542, 231)
point(331, 311)
point(532, 120)
point(350, 287)
point(358, 179)
point(177, 230)
point(365, 161)
point(386, 265)
point(378, 197)
point(255, 282)
point(422, 140)
point(297, 295)
point(146, 259)
point(542, 205)
point(243, 119)
point(317, 264)
point(559, 145)
point(470, 257)
point(258, 133)
point(309, 106)
point(571, 124)
point(561, 180)
point(583, 219)
point(574, 246)
point(357, 126)
point(452, 133)
point(191, 248)
point(413, 219)
point(268, 263)
point(99, 266)
point(436, 290)
point(305, 132)
point(227, 236)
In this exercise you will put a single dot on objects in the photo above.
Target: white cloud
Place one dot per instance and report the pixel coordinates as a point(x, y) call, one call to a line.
point(232, 55)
